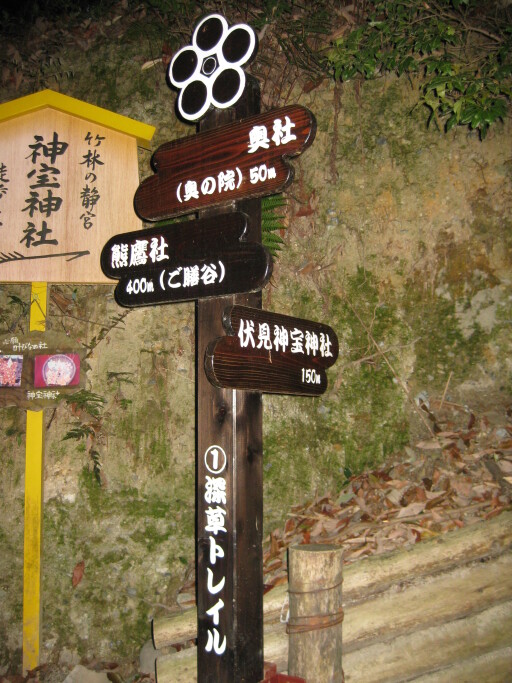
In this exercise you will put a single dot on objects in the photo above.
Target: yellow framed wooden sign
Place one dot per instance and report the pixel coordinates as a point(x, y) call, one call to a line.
point(68, 173)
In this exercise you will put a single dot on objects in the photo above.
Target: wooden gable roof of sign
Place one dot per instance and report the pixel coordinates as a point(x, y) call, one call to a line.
point(68, 174)
point(142, 132)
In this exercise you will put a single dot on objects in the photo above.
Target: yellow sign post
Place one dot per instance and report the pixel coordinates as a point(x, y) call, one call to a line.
point(34, 456)
point(68, 172)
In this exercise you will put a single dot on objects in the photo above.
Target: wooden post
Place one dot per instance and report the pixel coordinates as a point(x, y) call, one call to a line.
point(229, 472)
point(34, 454)
point(315, 577)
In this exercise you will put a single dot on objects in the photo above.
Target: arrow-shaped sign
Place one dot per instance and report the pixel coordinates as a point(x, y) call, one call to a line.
point(271, 353)
point(185, 261)
point(244, 159)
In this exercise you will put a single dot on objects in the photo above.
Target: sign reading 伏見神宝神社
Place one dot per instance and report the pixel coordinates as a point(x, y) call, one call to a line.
point(67, 173)
point(271, 353)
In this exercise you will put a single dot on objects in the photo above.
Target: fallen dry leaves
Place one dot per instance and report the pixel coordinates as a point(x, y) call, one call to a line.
point(448, 482)
point(453, 480)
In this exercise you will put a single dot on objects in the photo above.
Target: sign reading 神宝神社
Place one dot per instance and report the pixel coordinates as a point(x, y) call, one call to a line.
point(68, 171)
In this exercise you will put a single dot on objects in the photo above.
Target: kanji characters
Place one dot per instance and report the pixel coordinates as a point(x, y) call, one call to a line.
point(282, 132)
point(215, 517)
point(258, 138)
point(50, 150)
point(138, 253)
point(280, 338)
point(258, 135)
point(157, 249)
point(89, 194)
point(215, 490)
point(119, 256)
point(246, 333)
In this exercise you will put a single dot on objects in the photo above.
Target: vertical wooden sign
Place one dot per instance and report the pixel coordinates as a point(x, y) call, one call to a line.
point(229, 566)
point(238, 156)
point(67, 169)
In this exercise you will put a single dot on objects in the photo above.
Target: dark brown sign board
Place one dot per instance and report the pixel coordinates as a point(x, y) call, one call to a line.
point(246, 268)
point(241, 160)
point(185, 261)
point(271, 353)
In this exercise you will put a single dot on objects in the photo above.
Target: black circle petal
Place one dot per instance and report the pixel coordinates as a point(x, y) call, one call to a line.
point(184, 65)
point(236, 46)
point(226, 86)
point(193, 98)
point(209, 34)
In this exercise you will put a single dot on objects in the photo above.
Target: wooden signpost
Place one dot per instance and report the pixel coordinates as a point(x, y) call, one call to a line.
point(271, 353)
point(186, 261)
point(65, 169)
point(238, 156)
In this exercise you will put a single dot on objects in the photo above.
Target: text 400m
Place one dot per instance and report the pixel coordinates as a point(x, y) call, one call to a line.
point(140, 285)
point(310, 376)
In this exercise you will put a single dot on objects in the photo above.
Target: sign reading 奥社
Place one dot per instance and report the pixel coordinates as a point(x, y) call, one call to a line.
point(240, 160)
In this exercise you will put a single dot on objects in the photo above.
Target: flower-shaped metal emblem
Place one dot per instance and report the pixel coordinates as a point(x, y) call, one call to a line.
point(209, 71)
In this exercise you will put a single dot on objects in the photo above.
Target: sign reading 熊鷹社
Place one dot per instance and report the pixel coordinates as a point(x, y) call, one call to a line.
point(68, 170)
point(185, 261)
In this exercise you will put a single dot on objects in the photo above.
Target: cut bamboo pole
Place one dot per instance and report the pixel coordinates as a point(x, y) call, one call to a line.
point(316, 613)
point(482, 639)
point(433, 648)
point(492, 667)
point(396, 617)
point(444, 597)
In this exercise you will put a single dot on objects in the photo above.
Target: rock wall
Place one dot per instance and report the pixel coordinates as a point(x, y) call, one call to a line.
point(398, 236)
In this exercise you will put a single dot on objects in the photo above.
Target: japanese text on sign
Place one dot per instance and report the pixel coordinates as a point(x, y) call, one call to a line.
point(231, 179)
point(181, 277)
point(280, 338)
point(43, 199)
point(215, 495)
point(47, 394)
point(3, 180)
point(89, 195)
point(246, 158)
point(139, 253)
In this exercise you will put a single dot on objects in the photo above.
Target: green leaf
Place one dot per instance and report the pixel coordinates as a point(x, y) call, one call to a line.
point(452, 121)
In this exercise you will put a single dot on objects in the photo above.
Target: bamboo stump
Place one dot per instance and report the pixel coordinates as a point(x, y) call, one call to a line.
point(316, 614)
